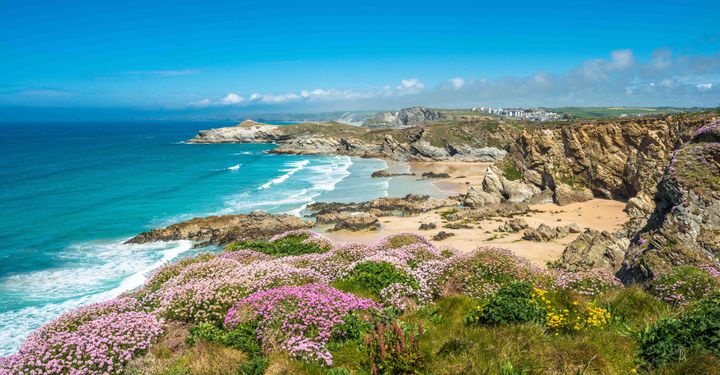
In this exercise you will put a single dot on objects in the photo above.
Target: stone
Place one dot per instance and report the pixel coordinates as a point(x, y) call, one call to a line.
point(565, 194)
point(513, 225)
point(357, 222)
point(442, 235)
point(593, 249)
point(475, 197)
point(427, 226)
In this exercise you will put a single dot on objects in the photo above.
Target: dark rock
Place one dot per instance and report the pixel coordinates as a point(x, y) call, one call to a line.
point(427, 226)
point(442, 235)
point(544, 233)
point(357, 222)
point(513, 225)
point(384, 173)
point(435, 175)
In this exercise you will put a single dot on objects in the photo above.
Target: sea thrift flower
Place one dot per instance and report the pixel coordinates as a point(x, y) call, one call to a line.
point(590, 282)
point(299, 319)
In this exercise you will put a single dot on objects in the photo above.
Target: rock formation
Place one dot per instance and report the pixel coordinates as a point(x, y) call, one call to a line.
point(221, 230)
point(545, 233)
point(594, 249)
point(685, 226)
point(458, 142)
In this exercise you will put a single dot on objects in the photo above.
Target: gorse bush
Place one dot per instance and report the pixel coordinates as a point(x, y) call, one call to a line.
point(513, 303)
point(394, 349)
point(684, 284)
point(673, 338)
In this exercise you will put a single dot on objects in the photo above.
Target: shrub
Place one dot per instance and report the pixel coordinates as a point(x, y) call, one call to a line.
point(242, 337)
point(484, 270)
point(373, 276)
point(589, 283)
point(104, 344)
point(671, 339)
point(683, 284)
point(255, 366)
point(513, 303)
point(393, 349)
point(287, 244)
point(298, 319)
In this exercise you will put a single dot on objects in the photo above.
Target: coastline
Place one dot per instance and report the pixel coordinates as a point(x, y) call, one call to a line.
point(598, 214)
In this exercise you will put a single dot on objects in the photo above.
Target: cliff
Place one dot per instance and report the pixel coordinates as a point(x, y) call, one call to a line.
point(461, 141)
point(685, 225)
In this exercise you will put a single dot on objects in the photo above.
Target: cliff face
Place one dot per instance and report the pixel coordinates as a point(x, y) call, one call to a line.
point(461, 142)
point(685, 226)
point(406, 117)
point(614, 159)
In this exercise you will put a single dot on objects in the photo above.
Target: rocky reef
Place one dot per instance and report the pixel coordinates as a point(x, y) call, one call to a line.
point(221, 230)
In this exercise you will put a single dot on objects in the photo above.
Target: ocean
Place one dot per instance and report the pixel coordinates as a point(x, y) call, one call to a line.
point(72, 193)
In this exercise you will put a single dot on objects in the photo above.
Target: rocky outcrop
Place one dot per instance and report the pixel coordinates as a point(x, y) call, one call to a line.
point(384, 173)
point(435, 175)
point(357, 221)
point(427, 226)
point(545, 233)
point(618, 159)
point(513, 225)
point(221, 230)
point(497, 188)
point(468, 142)
point(488, 211)
point(442, 235)
point(565, 194)
point(593, 249)
point(685, 226)
point(413, 116)
point(411, 204)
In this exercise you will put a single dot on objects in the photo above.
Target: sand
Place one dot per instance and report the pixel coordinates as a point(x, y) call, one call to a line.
point(598, 214)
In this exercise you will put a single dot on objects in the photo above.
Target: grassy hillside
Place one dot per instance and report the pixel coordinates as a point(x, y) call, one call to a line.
point(607, 112)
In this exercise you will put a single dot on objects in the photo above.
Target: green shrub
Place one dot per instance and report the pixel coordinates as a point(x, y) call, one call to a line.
point(352, 327)
point(373, 277)
point(683, 284)
point(510, 171)
point(255, 366)
point(394, 349)
point(672, 339)
point(287, 246)
point(242, 337)
point(513, 303)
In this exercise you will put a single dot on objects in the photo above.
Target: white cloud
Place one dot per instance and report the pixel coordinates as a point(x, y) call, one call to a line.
point(232, 98)
point(621, 59)
point(457, 83)
point(201, 103)
point(704, 86)
point(410, 85)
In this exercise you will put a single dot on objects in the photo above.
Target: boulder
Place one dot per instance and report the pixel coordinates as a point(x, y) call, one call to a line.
point(435, 175)
point(544, 232)
point(476, 197)
point(565, 194)
point(593, 249)
point(442, 235)
point(357, 222)
point(427, 226)
point(513, 225)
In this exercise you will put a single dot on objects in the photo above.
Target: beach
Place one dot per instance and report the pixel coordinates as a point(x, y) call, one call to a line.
point(597, 214)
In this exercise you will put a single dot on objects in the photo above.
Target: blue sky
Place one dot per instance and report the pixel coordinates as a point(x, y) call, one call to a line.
point(148, 58)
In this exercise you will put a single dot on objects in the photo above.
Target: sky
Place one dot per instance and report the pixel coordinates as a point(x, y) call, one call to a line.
point(92, 59)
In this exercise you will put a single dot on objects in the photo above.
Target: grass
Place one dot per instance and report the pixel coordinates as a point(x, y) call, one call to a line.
point(607, 112)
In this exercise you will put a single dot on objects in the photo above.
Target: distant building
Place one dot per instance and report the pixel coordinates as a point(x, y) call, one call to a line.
point(531, 114)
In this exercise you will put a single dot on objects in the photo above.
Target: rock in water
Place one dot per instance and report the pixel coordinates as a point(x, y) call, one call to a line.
point(221, 230)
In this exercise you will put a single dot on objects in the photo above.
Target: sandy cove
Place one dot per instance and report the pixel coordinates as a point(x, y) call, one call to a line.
point(598, 214)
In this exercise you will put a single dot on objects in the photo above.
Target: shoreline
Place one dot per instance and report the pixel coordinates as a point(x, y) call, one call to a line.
point(597, 214)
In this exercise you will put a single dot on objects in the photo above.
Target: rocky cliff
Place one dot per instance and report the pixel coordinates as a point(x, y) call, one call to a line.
point(685, 225)
point(459, 141)
point(406, 117)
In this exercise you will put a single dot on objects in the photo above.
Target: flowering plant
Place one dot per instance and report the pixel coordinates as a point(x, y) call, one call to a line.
point(298, 319)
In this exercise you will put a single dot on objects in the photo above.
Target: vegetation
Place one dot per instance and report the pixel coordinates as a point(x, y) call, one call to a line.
point(486, 312)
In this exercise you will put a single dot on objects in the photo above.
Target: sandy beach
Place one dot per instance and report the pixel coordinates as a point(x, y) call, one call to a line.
point(598, 214)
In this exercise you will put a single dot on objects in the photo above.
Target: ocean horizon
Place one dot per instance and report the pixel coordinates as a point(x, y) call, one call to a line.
point(73, 193)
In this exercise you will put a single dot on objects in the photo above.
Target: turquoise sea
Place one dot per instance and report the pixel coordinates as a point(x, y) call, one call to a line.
point(72, 193)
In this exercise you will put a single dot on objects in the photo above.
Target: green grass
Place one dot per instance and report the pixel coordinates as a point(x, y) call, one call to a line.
point(607, 112)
